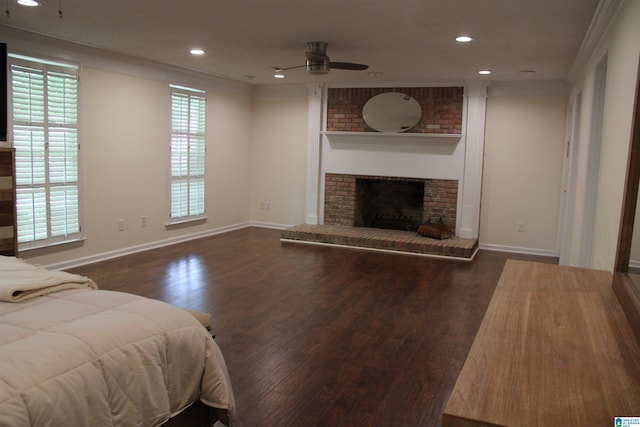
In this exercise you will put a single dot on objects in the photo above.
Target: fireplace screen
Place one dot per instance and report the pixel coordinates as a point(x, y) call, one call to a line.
point(390, 204)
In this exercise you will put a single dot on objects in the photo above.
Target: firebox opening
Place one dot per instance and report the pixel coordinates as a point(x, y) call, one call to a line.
point(390, 204)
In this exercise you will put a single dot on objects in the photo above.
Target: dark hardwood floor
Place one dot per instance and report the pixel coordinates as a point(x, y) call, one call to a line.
point(323, 336)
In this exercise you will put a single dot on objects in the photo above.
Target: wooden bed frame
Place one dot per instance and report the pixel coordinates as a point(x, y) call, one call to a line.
point(198, 415)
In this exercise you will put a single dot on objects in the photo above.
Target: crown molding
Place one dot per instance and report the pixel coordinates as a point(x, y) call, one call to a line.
point(33, 44)
point(596, 34)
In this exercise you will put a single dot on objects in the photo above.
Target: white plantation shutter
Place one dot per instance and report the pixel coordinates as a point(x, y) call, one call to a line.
point(188, 110)
point(45, 136)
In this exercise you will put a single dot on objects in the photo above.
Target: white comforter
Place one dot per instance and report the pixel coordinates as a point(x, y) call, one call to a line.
point(20, 280)
point(102, 358)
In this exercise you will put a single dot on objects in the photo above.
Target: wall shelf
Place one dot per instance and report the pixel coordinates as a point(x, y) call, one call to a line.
point(427, 137)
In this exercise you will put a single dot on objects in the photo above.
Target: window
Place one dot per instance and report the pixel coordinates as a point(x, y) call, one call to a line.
point(188, 110)
point(45, 136)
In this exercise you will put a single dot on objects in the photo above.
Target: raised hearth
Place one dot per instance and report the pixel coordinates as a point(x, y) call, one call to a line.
point(380, 239)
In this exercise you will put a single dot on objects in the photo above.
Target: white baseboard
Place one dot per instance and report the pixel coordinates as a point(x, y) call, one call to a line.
point(518, 250)
point(268, 225)
point(634, 264)
point(187, 237)
point(144, 247)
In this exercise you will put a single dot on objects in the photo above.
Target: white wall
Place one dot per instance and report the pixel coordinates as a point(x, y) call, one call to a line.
point(125, 132)
point(257, 152)
point(622, 71)
point(620, 46)
point(522, 173)
point(123, 159)
point(278, 158)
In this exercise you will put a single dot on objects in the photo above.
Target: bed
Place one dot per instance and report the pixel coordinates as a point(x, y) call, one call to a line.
point(73, 355)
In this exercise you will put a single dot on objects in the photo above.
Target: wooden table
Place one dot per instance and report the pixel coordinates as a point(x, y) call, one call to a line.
point(554, 349)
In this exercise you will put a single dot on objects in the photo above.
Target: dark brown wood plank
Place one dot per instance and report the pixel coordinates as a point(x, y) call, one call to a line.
point(322, 336)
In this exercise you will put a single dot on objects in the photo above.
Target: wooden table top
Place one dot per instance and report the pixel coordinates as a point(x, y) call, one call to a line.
point(554, 349)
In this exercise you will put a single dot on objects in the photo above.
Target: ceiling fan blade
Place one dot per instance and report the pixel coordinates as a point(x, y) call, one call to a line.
point(348, 66)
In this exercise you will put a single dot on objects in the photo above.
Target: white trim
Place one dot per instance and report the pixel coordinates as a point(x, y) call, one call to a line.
point(593, 150)
point(562, 234)
point(187, 89)
point(518, 250)
point(397, 85)
point(475, 97)
point(598, 30)
point(271, 225)
point(314, 143)
point(27, 43)
point(44, 66)
point(185, 220)
point(220, 230)
point(430, 137)
point(29, 59)
point(79, 239)
point(144, 247)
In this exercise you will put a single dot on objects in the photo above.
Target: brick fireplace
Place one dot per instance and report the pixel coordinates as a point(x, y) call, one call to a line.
point(441, 108)
point(443, 153)
point(388, 202)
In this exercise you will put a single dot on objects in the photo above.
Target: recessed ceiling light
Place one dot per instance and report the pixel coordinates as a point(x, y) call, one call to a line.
point(279, 75)
point(484, 72)
point(197, 51)
point(464, 39)
point(30, 3)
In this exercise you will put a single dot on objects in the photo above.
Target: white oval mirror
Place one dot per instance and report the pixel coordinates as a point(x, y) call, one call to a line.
point(392, 112)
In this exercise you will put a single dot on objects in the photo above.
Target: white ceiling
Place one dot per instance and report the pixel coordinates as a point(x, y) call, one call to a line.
point(409, 41)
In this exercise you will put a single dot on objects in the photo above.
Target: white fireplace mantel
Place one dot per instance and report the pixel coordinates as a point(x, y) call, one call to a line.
point(394, 136)
point(439, 156)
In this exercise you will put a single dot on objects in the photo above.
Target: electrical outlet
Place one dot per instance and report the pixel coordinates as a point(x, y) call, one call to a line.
point(121, 224)
point(143, 221)
point(520, 227)
point(267, 206)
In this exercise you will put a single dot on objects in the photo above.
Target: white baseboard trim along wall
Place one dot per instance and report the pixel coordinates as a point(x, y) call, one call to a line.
point(144, 247)
point(161, 243)
point(518, 250)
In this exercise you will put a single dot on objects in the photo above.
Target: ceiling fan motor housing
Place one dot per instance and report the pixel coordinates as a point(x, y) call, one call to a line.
point(319, 63)
point(317, 60)
point(318, 67)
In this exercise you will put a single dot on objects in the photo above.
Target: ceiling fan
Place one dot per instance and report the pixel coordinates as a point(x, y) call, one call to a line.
point(318, 62)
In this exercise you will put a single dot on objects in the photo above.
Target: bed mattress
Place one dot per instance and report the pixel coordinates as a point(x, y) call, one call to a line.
point(83, 357)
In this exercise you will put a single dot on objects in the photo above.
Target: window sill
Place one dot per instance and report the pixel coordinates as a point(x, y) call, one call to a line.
point(185, 221)
point(48, 246)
